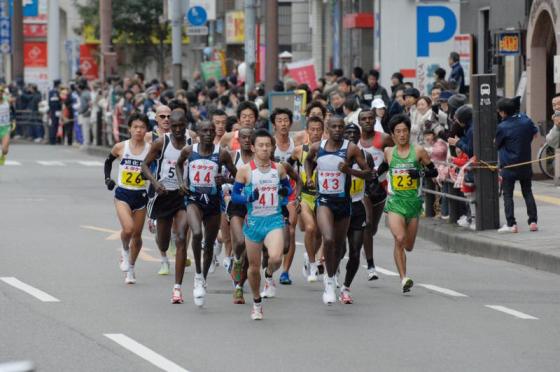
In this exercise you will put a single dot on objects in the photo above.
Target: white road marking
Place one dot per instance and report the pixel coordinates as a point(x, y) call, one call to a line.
point(445, 291)
point(515, 313)
point(91, 163)
point(51, 163)
point(144, 352)
point(37, 293)
point(12, 163)
point(383, 271)
point(298, 243)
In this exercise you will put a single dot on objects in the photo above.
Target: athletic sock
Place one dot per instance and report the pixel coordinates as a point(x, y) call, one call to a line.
point(177, 286)
point(266, 275)
point(370, 263)
point(257, 300)
point(164, 259)
point(131, 268)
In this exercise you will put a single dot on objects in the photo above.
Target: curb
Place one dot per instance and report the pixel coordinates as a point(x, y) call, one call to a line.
point(457, 240)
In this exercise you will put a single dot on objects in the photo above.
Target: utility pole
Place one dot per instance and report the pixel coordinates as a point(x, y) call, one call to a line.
point(250, 45)
point(176, 41)
point(271, 41)
point(17, 40)
point(108, 57)
point(53, 41)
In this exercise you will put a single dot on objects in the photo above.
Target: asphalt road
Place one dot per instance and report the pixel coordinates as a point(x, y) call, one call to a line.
point(59, 235)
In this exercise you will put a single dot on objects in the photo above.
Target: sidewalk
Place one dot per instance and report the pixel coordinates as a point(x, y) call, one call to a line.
point(540, 250)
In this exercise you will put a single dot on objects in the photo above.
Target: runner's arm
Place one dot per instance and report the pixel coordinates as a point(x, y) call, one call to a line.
point(180, 167)
point(355, 154)
point(237, 195)
point(310, 163)
point(430, 170)
point(225, 158)
point(114, 154)
point(293, 175)
point(153, 154)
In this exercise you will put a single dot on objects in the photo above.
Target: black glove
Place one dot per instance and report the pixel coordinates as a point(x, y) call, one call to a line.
point(254, 196)
point(383, 167)
point(283, 191)
point(110, 184)
point(414, 174)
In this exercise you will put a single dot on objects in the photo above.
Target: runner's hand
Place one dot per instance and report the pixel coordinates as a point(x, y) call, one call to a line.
point(254, 196)
point(110, 184)
point(184, 189)
point(220, 180)
point(343, 167)
point(160, 190)
point(310, 184)
point(283, 191)
point(414, 174)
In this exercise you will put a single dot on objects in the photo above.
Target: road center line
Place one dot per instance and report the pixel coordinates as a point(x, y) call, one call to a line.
point(383, 271)
point(515, 313)
point(37, 293)
point(445, 291)
point(51, 163)
point(12, 163)
point(90, 163)
point(144, 352)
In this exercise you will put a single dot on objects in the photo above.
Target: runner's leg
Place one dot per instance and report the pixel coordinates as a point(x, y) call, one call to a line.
point(397, 225)
point(325, 222)
point(139, 217)
point(194, 220)
point(211, 228)
point(180, 243)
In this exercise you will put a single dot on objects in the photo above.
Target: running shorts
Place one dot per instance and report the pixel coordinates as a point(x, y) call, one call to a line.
point(409, 208)
point(166, 205)
point(358, 217)
point(309, 200)
point(4, 131)
point(136, 199)
point(340, 207)
point(257, 228)
point(238, 210)
point(211, 205)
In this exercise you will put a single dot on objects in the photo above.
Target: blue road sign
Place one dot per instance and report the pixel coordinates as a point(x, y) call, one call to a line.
point(196, 16)
point(5, 35)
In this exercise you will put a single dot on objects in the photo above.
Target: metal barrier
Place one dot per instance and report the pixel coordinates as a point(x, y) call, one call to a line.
point(28, 117)
point(454, 199)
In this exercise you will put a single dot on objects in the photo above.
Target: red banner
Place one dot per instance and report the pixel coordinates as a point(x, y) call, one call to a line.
point(35, 30)
point(88, 63)
point(303, 72)
point(35, 54)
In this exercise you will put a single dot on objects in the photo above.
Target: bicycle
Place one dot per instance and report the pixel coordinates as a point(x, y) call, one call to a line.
point(546, 160)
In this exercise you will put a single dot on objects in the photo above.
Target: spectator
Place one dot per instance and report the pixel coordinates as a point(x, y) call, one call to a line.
point(457, 75)
point(357, 75)
point(440, 78)
point(463, 117)
point(84, 113)
point(374, 90)
point(513, 139)
point(337, 99)
point(419, 117)
point(330, 85)
point(553, 137)
point(67, 116)
point(54, 111)
point(396, 81)
point(410, 96)
point(381, 116)
point(351, 111)
point(397, 106)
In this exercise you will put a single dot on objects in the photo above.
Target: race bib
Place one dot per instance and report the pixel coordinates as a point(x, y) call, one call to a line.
point(357, 187)
point(331, 182)
point(132, 178)
point(267, 203)
point(401, 181)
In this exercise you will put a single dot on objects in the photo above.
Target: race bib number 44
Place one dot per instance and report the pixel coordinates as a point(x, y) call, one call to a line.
point(331, 182)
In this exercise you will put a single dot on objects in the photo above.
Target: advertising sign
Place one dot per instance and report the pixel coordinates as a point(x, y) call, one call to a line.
point(88, 63)
point(35, 54)
point(303, 72)
point(235, 27)
point(5, 35)
point(211, 70)
point(509, 43)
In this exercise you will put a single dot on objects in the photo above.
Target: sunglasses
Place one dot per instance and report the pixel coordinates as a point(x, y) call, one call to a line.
point(164, 116)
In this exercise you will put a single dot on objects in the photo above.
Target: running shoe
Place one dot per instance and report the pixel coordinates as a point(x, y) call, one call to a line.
point(177, 297)
point(152, 226)
point(188, 262)
point(508, 229)
point(312, 278)
point(372, 274)
point(125, 260)
point(199, 291)
point(164, 268)
point(237, 269)
point(336, 278)
point(227, 263)
point(407, 283)
point(212, 268)
point(285, 278)
point(305, 270)
point(257, 312)
point(464, 222)
point(269, 289)
point(321, 269)
point(238, 298)
point(2, 159)
point(130, 277)
point(533, 227)
point(345, 296)
point(329, 294)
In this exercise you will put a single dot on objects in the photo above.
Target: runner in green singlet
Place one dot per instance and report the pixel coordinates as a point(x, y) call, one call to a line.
point(407, 164)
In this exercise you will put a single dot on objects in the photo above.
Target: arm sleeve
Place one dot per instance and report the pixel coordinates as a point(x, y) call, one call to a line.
point(285, 183)
point(237, 193)
point(430, 171)
point(109, 165)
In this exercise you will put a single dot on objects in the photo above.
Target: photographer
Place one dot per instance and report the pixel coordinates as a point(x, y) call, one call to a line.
point(553, 137)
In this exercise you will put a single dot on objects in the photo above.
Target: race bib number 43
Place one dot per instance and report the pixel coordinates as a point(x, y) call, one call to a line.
point(331, 182)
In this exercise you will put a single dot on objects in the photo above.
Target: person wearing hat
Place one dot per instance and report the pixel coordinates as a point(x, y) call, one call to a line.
point(381, 117)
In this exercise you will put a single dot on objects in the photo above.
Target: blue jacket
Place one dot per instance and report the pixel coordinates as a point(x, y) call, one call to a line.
point(457, 77)
point(513, 140)
point(466, 142)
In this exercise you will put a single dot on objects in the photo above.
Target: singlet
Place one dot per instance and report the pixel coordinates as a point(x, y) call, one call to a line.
point(358, 185)
point(303, 175)
point(4, 114)
point(238, 160)
point(165, 171)
point(203, 171)
point(332, 182)
point(234, 144)
point(268, 203)
point(401, 185)
point(130, 168)
point(375, 149)
point(283, 156)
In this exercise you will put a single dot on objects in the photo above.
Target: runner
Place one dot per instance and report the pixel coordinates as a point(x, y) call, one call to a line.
point(259, 185)
point(168, 204)
point(247, 114)
point(282, 120)
point(358, 219)
point(406, 164)
point(332, 158)
point(131, 195)
point(312, 235)
point(236, 214)
point(219, 119)
point(5, 127)
point(203, 198)
point(373, 142)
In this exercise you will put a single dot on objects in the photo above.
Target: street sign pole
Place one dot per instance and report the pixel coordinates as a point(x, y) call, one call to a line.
point(484, 132)
point(250, 45)
point(176, 41)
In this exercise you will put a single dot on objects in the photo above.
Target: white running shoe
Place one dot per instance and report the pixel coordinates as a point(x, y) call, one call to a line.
point(164, 268)
point(199, 291)
point(329, 294)
point(212, 265)
point(227, 263)
point(269, 290)
point(336, 280)
point(407, 283)
point(257, 313)
point(464, 222)
point(125, 260)
point(313, 271)
point(508, 229)
point(372, 274)
point(306, 269)
point(130, 277)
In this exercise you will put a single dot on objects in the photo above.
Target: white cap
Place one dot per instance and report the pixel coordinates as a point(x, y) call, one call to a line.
point(378, 103)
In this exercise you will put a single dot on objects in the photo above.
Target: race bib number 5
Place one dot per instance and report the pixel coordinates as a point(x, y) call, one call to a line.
point(331, 182)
